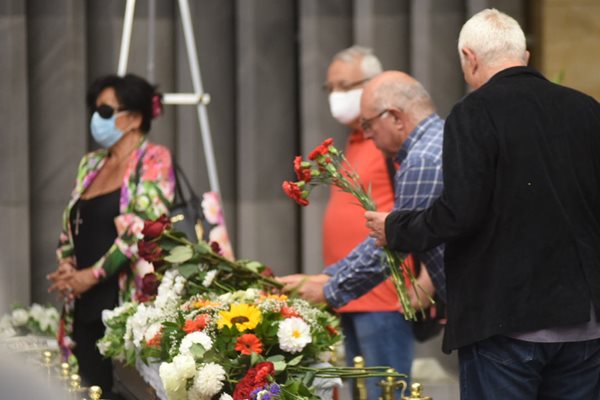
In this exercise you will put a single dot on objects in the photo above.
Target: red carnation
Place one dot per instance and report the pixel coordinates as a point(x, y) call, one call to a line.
point(292, 190)
point(256, 377)
point(153, 229)
point(149, 251)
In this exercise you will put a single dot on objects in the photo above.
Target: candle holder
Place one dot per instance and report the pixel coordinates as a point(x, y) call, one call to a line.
point(390, 385)
point(360, 384)
point(416, 390)
point(95, 393)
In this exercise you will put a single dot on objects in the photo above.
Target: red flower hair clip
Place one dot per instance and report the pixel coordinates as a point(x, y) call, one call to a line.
point(157, 107)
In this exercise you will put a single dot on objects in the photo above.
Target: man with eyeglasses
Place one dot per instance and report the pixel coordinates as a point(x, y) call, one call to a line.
point(396, 109)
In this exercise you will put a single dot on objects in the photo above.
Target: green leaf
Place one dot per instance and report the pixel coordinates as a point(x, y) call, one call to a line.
point(179, 254)
point(254, 358)
point(279, 366)
point(295, 361)
point(197, 351)
point(275, 358)
point(188, 270)
point(254, 266)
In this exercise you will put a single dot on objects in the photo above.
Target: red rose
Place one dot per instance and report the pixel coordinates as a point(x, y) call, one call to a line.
point(149, 251)
point(216, 248)
point(153, 229)
point(150, 284)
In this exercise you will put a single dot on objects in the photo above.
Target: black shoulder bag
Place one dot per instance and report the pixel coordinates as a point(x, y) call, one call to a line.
point(424, 327)
point(186, 212)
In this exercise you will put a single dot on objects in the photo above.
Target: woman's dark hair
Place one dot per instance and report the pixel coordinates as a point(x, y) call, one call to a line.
point(133, 93)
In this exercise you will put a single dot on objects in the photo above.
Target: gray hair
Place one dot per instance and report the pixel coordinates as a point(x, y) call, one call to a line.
point(494, 36)
point(411, 97)
point(369, 64)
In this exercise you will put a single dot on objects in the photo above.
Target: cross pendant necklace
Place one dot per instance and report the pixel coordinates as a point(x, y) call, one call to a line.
point(78, 221)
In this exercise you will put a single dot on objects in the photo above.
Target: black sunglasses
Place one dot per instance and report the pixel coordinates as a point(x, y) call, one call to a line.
point(106, 111)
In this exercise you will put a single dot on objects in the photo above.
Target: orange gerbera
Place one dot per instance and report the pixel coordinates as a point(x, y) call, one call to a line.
point(196, 324)
point(248, 343)
point(289, 312)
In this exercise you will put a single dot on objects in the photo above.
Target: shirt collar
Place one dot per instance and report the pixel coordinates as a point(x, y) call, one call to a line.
point(415, 135)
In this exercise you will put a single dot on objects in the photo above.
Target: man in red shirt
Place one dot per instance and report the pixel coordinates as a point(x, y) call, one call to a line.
point(372, 324)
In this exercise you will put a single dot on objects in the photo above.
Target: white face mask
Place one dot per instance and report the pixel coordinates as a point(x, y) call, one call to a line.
point(345, 106)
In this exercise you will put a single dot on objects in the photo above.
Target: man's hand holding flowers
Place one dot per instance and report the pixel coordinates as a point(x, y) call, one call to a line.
point(376, 224)
point(309, 287)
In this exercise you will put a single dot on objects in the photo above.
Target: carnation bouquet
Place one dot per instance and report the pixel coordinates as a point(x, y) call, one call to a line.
point(327, 166)
point(217, 328)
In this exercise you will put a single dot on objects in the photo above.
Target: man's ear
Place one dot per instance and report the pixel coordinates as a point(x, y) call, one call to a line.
point(471, 61)
point(397, 114)
point(527, 54)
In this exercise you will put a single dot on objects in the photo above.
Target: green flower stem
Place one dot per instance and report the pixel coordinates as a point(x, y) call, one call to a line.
point(234, 265)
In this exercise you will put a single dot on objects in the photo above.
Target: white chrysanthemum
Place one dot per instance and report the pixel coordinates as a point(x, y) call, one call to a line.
point(185, 364)
point(19, 317)
point(103, 346)
point(225, 396)
point(208, 381)
point(209, 278)
point(173, 382)
point(293, 335)
point(195, 338)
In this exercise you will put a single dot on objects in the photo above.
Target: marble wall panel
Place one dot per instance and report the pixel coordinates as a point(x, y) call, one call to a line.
point(15, 265)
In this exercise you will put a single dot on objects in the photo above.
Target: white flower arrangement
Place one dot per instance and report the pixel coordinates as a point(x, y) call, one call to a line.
point(36, 319)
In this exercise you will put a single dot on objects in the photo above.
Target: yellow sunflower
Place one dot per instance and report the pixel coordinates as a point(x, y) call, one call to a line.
point(244, 316)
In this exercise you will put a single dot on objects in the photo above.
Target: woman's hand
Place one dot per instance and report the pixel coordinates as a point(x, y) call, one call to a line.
point(81, 281)
point(60, 278)
point(71, 282)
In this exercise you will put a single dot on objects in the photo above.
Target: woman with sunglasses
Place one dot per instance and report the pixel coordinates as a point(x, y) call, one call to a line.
point(125, 182)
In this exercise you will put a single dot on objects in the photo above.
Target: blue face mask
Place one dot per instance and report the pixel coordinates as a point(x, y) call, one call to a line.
point(104, 130)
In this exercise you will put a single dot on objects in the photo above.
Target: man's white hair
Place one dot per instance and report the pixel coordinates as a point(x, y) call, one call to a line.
point(369, 64)
point(411, 97)
point(494, 37)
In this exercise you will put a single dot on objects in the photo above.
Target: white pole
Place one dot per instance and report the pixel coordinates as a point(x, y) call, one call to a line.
point(126, 37)
point(190, 44)
point(151, 40)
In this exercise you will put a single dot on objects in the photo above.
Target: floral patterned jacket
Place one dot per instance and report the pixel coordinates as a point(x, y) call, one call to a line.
point(146, 197)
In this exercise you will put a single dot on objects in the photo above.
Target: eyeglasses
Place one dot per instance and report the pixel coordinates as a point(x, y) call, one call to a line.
point(366, 124)
point(342, 86)
point(106, 111)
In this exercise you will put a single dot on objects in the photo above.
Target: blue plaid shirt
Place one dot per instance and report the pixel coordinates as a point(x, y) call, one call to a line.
point(418, 183)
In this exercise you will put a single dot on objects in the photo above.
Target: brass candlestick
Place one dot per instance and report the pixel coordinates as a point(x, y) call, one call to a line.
point(360, 384)
point(416, 393)
point(390, 385)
